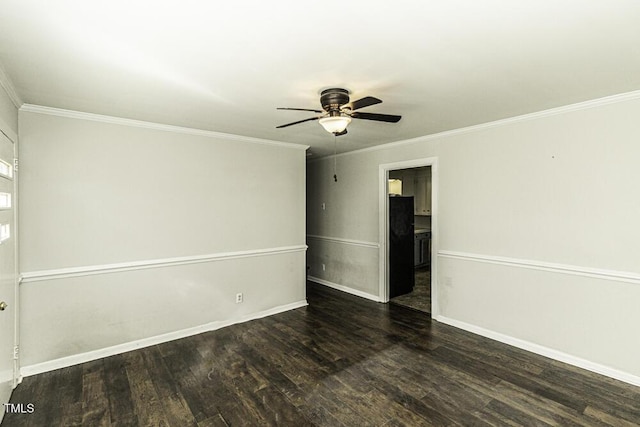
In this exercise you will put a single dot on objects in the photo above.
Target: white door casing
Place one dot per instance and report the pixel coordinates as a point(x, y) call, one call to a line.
point(383, 222)
point(8, 271)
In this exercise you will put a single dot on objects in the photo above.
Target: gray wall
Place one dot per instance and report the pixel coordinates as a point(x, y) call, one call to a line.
point(131, 234)
point(537, 230)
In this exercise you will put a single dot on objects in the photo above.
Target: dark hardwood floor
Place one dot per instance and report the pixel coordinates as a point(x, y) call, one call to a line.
point(341, 361)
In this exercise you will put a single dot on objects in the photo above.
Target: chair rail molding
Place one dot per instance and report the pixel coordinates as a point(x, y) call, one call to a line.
point(42, 275)
point(352, 242)
point(619, 276)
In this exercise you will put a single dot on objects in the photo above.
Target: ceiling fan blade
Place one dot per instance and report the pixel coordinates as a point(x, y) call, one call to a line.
point(300, 109)
point(299, 121)
point(389, 118)
point(364, 102)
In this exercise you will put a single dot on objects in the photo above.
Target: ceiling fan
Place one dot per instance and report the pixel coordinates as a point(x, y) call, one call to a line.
point(338, 111)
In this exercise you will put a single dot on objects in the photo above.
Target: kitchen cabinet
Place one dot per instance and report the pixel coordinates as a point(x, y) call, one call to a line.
point(417, 183)
point(422, 248)
point(408, 177)
point(422, 188)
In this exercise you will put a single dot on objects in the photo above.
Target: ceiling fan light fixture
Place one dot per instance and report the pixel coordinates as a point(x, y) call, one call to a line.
point(335, 124)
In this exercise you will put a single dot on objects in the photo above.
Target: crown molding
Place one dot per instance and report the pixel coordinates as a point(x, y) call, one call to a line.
point(9, 88)
point(599, 102)
point(31, 108)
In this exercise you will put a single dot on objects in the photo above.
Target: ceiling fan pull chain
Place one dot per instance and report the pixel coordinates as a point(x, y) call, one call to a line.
point(335, 158)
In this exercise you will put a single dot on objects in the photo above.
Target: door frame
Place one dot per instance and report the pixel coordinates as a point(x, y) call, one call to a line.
point(13, 138)
point(383, 221)
point(17, 375)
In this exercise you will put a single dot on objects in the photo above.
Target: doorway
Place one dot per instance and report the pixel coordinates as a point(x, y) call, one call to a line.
point(416, 180)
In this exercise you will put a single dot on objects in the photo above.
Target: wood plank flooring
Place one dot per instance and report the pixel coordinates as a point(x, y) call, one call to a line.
point(341, 361)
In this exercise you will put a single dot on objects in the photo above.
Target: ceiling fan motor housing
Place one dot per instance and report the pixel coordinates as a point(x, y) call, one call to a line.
point(332, 99)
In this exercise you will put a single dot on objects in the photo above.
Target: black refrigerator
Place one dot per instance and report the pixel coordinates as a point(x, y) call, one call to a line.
point(401, 245)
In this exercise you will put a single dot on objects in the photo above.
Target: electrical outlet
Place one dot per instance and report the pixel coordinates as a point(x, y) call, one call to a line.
point(324, 206)
point(239, 298)
point(323, 269)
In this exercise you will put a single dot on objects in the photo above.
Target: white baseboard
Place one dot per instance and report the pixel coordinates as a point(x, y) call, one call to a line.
point(543, 351)
point(346, 289)
point(76, 359)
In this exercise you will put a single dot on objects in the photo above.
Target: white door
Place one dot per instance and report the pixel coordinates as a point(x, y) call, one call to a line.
point(8, 271)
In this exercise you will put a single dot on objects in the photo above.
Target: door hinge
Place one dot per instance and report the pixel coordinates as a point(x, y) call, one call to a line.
point(15, 164)
point(15, 352)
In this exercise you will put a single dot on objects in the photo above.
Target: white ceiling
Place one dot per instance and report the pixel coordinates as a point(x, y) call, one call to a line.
point(226, 66)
